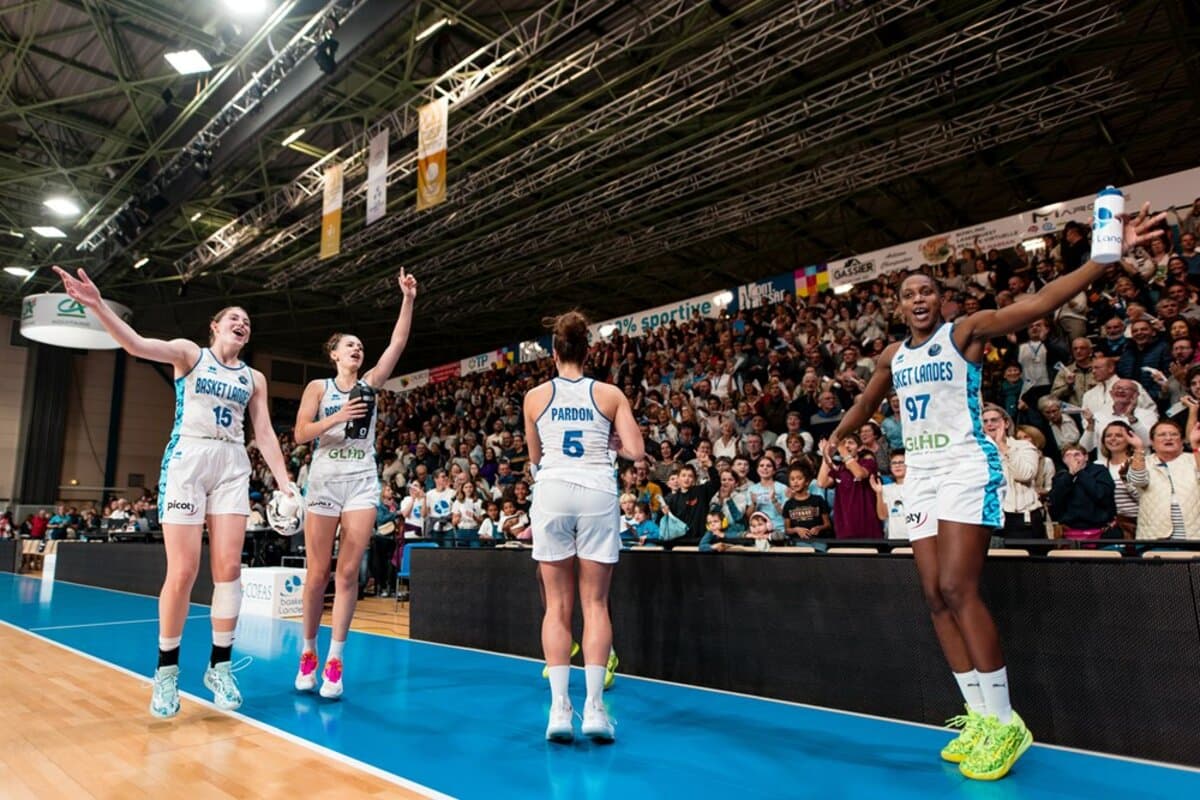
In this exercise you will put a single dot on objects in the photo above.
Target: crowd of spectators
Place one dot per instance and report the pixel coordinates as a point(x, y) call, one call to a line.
point(1094, 411)
point(1091, 410)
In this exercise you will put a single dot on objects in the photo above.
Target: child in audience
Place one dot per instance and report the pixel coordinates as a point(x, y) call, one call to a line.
point(805, 515)
point(489, 526)
point(645, 529)
point(628, 519)
point(512, 520)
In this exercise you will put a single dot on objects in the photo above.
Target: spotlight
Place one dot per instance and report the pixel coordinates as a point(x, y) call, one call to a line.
point(141, 262)
point(324, 56)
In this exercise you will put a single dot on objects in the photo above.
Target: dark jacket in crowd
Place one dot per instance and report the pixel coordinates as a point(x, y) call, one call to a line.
point(1156, 354)
point(1084, 500)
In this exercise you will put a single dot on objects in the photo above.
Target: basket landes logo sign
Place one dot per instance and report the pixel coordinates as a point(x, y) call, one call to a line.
point(71, 308)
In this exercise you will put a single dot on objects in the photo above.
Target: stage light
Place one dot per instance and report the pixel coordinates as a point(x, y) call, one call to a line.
point(19, 272)
point(434, 28)
point(188, 62)
point(48, 232)
point(141, 262)
point(194, 217)
point(62, 205)
point(293, 136)
point(245, 8)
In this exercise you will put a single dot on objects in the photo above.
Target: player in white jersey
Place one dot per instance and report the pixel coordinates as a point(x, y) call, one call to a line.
point(343, 485)
point(205, 476)
point(570, 423)
point(952, 492)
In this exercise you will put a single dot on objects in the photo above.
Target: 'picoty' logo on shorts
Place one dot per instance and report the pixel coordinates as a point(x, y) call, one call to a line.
point(181, 505)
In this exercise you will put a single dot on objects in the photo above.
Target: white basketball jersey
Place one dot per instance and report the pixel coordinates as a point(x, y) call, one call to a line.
point(211, 400)
point(940, 402)
point(575, 436)
point(334, 456)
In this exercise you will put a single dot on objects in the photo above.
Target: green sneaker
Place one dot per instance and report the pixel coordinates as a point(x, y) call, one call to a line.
point(546, 667)
point(998, 749)
point(958, 749)
point(610, 669)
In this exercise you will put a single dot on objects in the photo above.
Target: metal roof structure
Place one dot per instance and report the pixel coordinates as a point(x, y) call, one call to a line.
point(606, 155)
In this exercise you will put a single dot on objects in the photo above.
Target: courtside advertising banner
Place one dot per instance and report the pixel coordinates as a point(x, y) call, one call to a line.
point(331, 214)
point(377, 167)
point(406, 383)
point(775, 289)
point(431, 154)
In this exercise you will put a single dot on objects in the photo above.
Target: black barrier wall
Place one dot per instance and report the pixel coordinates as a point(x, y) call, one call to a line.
point(1101, 655)
point(129, 567)
point(9, 554)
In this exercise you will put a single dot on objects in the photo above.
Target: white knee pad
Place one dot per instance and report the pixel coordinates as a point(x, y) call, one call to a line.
point(227, 599)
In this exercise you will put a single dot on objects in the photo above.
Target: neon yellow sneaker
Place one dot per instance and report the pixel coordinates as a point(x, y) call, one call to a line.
point(610, 669)
point(998, 749)
point(546, 667)
point(957, 750)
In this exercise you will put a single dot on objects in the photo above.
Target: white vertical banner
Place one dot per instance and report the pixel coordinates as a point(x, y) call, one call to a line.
point(377, 167)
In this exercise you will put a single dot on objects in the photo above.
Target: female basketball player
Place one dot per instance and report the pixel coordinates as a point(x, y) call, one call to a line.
point(343, 485)
point(205, 474)
point(569, 423)
point(952, 492)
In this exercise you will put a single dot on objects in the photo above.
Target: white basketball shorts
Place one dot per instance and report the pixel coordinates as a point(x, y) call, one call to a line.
point(200, 477)
point(572, 521)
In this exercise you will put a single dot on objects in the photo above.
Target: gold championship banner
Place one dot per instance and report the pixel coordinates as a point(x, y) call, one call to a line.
point(331, 215)
point(431, 154)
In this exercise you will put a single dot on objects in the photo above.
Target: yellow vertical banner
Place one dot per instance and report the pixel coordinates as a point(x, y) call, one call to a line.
point(431, 154)
point(331, 213)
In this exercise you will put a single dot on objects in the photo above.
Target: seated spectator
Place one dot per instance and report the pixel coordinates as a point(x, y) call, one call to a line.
point(1145, 358)
point(1063, 428)
point(489, 526)
point(829, 413)
point(730, 504)
point(689, 503)
point(38, 524)
point(848, 473)
point(645, 529)
point(467, 514)
point(768, 495)
point(1082, 497)
point(1123, 408)
point(892, 430)
point(1116, 453)
point(514, 524)
point(1165, 484)
point(805, 515)
point(56, 527)
point(716, 536)
point(414, 510)
point(627, 503)
point(1072, 381)
point(762, 529)
point(1183, 413)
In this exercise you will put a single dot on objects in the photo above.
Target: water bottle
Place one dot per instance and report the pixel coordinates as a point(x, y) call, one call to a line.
point(358, 428)
point(1107, 228)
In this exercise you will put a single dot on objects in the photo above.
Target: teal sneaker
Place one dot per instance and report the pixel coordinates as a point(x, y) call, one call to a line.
point(164, 702)
point(220, 681)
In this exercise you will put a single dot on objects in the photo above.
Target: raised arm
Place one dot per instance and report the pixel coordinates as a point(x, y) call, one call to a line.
point(869, 400)
point(181, 353)
point(1018, 316)
point(378, 375)
point(264, 434)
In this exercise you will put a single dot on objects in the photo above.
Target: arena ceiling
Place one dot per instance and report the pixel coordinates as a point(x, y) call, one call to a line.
point(608, 155)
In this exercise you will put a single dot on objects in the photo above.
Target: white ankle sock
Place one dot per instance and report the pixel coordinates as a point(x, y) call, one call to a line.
point(995, 694)
point(223, 638)
point(167, 644)
point(560, 681)
point(595, 681)
point(972, 692)
point(335, 648)
point(310, 646)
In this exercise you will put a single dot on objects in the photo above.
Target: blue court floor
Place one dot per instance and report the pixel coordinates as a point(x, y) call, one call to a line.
point(470, 724)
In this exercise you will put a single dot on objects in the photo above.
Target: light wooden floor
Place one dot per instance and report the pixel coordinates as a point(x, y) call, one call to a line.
point(72, 728)
point(376, 615)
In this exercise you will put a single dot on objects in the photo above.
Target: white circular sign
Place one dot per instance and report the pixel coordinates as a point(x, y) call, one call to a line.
point(56, 319)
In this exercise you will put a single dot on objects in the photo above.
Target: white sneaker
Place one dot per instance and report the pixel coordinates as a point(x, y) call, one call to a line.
point(561, 727)
point(596, 724)
point(306, 676)
point(164, 701)
point(331, 686)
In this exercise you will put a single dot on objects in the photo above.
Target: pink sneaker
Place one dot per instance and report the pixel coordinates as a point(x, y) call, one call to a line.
point(331, 687)
point(306, 678)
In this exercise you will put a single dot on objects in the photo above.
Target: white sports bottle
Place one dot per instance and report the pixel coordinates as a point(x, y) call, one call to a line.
point(1107, 230)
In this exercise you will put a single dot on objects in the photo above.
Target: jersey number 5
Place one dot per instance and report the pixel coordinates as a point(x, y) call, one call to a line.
point(573, 444)
point(224, 416)
point(916, 406)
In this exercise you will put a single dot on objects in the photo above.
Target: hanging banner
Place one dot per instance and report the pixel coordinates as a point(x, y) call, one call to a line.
point(431, 154)
point(406, 383)
point(469, 366)
point(775, 289)
point(377, 167)
point(58, 320)
point(331, 214)
point(811, 281)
